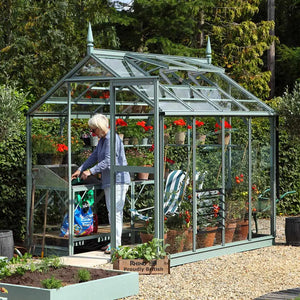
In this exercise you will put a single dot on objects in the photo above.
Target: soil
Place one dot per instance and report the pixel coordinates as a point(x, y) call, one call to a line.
point(67, 274)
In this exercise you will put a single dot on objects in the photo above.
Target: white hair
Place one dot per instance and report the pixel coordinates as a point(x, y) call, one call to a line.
point(99, 121)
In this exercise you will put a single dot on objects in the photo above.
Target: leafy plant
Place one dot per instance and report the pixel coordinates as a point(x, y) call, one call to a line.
point(51, 283)
point(179, 221)
point(154, 249)
point(289, 107)
point(84, 275)
point(149, 226)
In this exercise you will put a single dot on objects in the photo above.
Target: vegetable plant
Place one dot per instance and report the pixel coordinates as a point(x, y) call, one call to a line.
point(153, 249)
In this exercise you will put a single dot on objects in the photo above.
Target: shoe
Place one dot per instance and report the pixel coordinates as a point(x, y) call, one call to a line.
point(105, 247)
point(108, 250)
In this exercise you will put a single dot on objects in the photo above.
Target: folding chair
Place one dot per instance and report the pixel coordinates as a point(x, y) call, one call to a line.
point(173, 191)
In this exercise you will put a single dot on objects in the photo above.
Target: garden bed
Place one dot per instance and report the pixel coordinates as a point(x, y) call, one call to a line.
point(101, 284)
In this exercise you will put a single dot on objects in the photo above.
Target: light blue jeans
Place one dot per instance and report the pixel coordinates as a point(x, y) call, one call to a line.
point(121, 190)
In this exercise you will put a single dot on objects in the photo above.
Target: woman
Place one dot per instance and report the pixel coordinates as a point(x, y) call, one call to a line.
point(99, 163)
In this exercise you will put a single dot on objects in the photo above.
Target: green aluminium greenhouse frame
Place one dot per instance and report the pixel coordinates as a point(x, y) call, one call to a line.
point(173, 86)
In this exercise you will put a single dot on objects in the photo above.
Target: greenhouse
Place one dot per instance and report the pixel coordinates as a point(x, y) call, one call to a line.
point(201, 152)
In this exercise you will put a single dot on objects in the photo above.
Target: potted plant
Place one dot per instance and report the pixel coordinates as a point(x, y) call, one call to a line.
point(218, 131)
point(236, 200)
point(200, 132)
point(177, 225)
point(145, 131)
point(49, 149)
point(208, 219)
point(147, 259)
point(147, 233)
point(122, 129)
point(179, 128)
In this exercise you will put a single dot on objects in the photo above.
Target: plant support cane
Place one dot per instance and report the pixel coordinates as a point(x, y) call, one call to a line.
point(45, 223)
point(31, 210)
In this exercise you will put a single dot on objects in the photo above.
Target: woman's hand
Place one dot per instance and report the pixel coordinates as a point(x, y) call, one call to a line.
point(85, 174)
point(75, 174)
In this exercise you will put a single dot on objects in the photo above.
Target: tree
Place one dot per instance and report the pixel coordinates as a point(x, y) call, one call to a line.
point(178, 27)
point(45, 39)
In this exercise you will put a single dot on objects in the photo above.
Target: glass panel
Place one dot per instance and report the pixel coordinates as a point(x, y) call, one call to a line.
point(93, 68)
point(261, 158)
point(252, 105)
point(208, 193)
point(117, 66)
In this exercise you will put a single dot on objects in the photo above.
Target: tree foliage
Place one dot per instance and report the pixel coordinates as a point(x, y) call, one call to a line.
point(43, 40)
point(180, 27)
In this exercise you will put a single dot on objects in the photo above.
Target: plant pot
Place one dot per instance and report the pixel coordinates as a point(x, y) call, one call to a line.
point(206, 238)
point(134, 141)
point(201, 139)
point(145, 141)
point(241, 231)
point(180, 138)
point(188, 239)
point(229, 233)
point(226, 140)
point(147, 237)
point(175, 239)
point(121, 135)
point(143, 176)
point(126, 140)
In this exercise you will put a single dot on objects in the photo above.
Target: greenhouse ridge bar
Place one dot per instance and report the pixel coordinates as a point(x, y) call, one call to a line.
point(235, 163)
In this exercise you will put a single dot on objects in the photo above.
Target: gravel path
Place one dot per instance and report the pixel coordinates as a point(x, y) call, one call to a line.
point(244, 275)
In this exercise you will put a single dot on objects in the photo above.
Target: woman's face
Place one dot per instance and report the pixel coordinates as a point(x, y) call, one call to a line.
point(98, 132)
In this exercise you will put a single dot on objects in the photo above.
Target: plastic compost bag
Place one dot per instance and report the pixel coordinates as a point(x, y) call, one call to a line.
point(83, 216)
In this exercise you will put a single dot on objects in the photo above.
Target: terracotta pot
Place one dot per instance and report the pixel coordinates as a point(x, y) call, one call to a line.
point(143, 176)
point(175, 239)
point(146, 237)
point(205, 238)
point(229, 233)
point(188, 239)
point(241, 231)
point(180, 138)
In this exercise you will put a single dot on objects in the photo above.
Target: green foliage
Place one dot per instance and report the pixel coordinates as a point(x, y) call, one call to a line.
point(289, 108)
point(289, 161)
point(44, 40)
point(12, 108)
point(154, 249)
point(287, 66)
point(13, 174)
point(51, 283)
point(84, 275)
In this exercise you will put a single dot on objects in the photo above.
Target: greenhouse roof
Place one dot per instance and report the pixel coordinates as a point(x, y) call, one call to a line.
point(182, 85)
